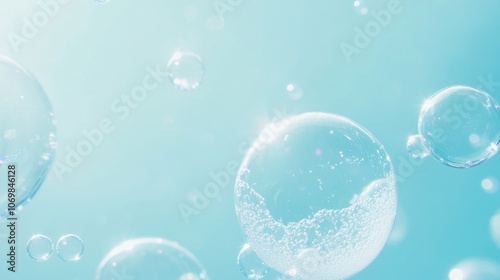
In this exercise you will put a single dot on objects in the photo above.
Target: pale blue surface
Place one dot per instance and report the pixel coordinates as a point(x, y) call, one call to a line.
point(132, 184)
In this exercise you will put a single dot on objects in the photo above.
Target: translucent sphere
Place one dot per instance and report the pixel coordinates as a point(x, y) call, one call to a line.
point(460, 126)
point(186, 70)
point(360, 7)
point(316, 197)
point(475, 269)
point(70, 248)
point(152, 259)
point(27, 133)
point(250, 264)
point(294, 92)
point(39, 248)
point(495, 228)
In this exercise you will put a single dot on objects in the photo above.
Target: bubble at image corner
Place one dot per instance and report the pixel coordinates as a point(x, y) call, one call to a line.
point(152, 259)
point(316, 197)
point(459, 126)
point(27, 132)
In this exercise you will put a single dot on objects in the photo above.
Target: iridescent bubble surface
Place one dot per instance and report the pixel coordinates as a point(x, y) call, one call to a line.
point(460, 126)
point(39, 248)
point(27, 132)
point(316, 196)
point(70, 248)
point(152, 259)
point(250, 264)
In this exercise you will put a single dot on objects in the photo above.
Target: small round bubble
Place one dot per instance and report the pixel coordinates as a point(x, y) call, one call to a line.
point(152, 259)
point(294, 92)
point(495, 228)
point(39, 248)
point(250, 264)
point(27, 132)
point(316, 197)
point(186, 70)
point(416, 147)
point(475, 269)
point(70, 248)
point(460, 126)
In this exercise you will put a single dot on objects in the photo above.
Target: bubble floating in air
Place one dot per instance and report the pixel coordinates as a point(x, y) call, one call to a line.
point(495, 228)
point(186, 70)
point(152, 259)
point(316, 197)
point(250, 264)
point(475, 269)
point(39, 248)
point(70, 248)
point(459, 126)
point(27, 132)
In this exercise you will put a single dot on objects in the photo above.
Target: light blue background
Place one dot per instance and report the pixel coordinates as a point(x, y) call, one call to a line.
point(131, 185)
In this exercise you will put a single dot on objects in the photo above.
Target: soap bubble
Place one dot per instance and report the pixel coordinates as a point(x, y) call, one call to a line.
point(39, 248)
point(459, 126)
point(475, 269)
point(294, 92)
point(490, 185)
point(152, 259)
point(316, 197)
point(70, 248)
point(360, 7)
point(495, 228)
point(186, 70)
point(27, 132)
point(250, 264)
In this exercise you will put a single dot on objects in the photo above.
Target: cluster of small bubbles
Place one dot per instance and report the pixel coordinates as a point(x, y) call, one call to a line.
point(186, 70)
point(459, 126)
point(70, 248)
point(39, 248)
point(250, 264)
point(475, 269)
point(490, 185)
point(495, 228)
point(294, 92)
point(302, 204)
point(27, 132)
point(360, 7)
point(152, 259)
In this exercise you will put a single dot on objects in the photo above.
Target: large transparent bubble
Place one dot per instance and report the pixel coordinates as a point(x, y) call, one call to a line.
point(151, 259)
point(27, 132)
point(316, 197)
point(475, 269)
point(459, 126)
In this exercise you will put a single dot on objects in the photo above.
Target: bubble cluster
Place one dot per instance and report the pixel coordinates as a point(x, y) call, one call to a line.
point(459, 126)
point(475, 269)
point(186, 70)
point(70, 248)
point(39, 248)
point(152, 259)
point(316, 197)
point(250, 264)
point(27, 132)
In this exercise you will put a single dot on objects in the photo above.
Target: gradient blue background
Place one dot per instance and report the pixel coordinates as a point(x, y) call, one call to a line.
point(132, 184)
